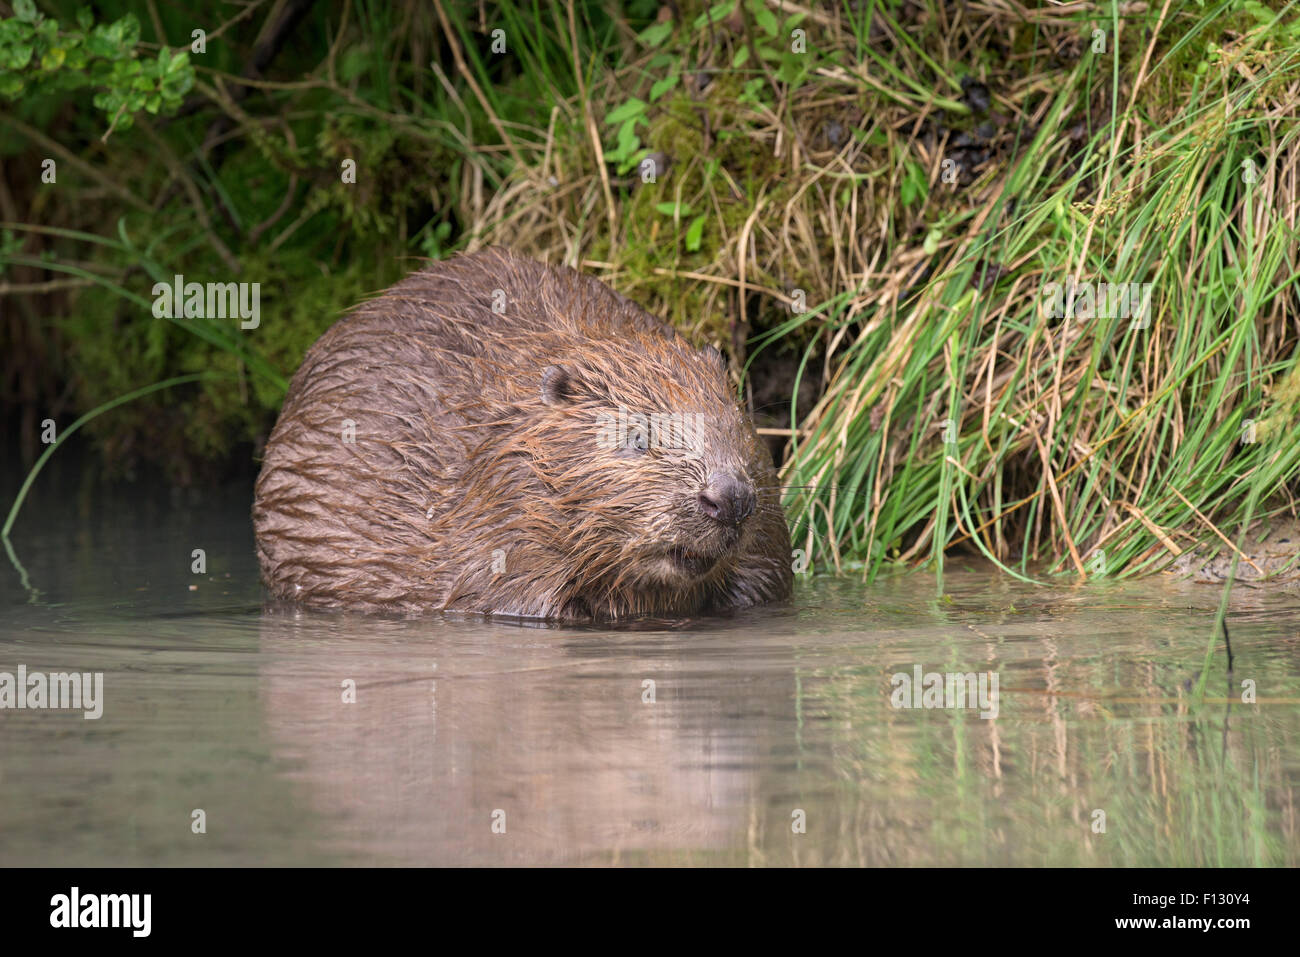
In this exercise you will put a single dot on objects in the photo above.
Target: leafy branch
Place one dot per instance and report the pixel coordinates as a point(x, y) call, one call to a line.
point(38, 56)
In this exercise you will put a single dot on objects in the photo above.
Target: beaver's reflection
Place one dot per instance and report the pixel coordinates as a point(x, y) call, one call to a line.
point(545, 733)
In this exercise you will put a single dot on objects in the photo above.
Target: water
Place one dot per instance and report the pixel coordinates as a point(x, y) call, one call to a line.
point(759, 724)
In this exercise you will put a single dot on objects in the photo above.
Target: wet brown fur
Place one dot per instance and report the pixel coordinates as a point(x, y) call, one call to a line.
point(467, 488)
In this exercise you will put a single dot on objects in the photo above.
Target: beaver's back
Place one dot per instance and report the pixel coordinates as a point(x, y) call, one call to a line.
point(490, 307)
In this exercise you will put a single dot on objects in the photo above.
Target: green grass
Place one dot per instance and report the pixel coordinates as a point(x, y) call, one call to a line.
point(1077, 435)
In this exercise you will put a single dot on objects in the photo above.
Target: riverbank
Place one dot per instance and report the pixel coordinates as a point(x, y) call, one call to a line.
point(1012, 280)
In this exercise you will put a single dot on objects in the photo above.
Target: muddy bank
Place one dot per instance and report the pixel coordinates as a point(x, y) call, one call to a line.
point(1271, 552)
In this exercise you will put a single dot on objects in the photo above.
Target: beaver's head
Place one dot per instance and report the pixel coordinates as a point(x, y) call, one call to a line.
point(662, 484)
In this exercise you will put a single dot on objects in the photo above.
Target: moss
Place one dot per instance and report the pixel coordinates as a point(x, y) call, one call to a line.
point(1283, 418)
point(117, 347)
point(721, 175)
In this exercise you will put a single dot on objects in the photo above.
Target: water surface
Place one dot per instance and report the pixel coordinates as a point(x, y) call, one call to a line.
point(765, 739)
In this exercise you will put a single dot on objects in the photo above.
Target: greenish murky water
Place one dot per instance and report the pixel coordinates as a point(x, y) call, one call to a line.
point(766, 739)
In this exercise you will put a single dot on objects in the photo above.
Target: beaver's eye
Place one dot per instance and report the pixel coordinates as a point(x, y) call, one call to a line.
point(637, 443)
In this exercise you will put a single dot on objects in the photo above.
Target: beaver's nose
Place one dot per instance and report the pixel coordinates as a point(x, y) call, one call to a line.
point(727, 498)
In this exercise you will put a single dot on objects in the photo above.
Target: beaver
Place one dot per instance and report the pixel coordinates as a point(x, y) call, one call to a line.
point(499, 436)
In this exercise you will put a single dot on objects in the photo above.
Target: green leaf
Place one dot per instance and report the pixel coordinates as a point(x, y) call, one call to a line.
point(177, 83)
point(15, 31)
point(750, 93)
point(628, 141)
point(765, 18)
point(54, 58)
point(355, 63)
point(628, 145)
point(632, 109)
point(632, 162)
point(129, 30)
point(672, 209)
point(25, 10)
point(1257, 10)
point(17, 58)
point(715, 13)
point(913, 186)
point(85, 19)
point(794, 67)
point(655, 34)
point(11, 84)
point(100, 43)
point(179, 61)
point(695, 233)
point(739, 60)
point(663, 86)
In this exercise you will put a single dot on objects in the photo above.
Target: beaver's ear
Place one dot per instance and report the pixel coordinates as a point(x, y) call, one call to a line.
point(557, 386)
point(713, 354)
